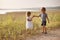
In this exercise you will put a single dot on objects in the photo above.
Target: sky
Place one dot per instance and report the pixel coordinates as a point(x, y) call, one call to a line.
point(18, 4)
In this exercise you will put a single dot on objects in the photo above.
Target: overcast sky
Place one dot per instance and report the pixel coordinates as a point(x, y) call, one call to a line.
point(17, 4)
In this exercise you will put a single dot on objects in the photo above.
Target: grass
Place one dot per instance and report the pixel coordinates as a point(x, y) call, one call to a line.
point(12, 27)
point(54, 18)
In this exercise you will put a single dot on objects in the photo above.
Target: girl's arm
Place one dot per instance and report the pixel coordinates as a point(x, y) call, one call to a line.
point(32, 18)
point(29, 19)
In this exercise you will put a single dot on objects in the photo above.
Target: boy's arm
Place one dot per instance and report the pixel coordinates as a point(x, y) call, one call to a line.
point(48, 19)
point(35, 16)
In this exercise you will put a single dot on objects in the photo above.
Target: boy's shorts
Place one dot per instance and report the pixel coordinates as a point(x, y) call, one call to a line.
point(43, 23)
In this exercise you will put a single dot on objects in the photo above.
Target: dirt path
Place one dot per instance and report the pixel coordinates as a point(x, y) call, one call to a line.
point(52, 35)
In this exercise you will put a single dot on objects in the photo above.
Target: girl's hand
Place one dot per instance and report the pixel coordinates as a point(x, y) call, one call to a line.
point(29, 19)
point(33, 15)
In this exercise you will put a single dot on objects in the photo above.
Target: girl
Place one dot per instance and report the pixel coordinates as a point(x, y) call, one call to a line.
point(29, 24)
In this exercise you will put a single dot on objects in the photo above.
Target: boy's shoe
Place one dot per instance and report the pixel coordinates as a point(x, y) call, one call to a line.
point(45, 32)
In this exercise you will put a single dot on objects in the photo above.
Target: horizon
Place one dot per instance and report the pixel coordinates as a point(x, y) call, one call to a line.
point(6, 5)
point(16, 4)
point(5, 11)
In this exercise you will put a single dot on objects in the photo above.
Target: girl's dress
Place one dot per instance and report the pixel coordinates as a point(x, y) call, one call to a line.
point(29, 24)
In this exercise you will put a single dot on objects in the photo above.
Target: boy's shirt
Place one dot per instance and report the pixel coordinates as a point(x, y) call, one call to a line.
point(43, 16)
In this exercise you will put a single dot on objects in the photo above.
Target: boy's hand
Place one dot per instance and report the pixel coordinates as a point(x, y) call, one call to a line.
point(48, 22)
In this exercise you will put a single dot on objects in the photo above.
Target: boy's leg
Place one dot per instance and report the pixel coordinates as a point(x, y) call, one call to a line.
point(45, 30)
point(44, 25)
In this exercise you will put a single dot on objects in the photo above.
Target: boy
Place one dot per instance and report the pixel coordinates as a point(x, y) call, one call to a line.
point(43, 16)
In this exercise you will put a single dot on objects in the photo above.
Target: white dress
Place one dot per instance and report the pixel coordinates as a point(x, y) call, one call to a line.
point(29, 24)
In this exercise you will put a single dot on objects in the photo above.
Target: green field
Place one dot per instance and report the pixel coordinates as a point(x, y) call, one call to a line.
point(12, 24)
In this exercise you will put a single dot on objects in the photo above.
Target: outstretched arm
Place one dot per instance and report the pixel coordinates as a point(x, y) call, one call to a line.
point(35, 16)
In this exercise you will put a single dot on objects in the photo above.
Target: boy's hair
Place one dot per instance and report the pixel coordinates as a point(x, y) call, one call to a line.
point(43, 8)
point(28, 13)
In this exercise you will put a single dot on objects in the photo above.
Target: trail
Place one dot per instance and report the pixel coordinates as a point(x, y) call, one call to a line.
point(52, 35)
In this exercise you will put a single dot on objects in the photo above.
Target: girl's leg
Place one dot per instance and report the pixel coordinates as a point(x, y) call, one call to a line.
point(28, 31)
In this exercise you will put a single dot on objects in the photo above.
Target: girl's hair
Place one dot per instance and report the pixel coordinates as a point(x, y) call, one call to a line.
point(28, 13)
point(43, 8)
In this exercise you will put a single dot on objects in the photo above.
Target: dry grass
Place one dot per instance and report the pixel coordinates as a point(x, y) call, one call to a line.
point(12, 26)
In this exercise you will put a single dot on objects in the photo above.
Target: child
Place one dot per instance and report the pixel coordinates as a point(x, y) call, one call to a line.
point(29, 24)
point(43, 16)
